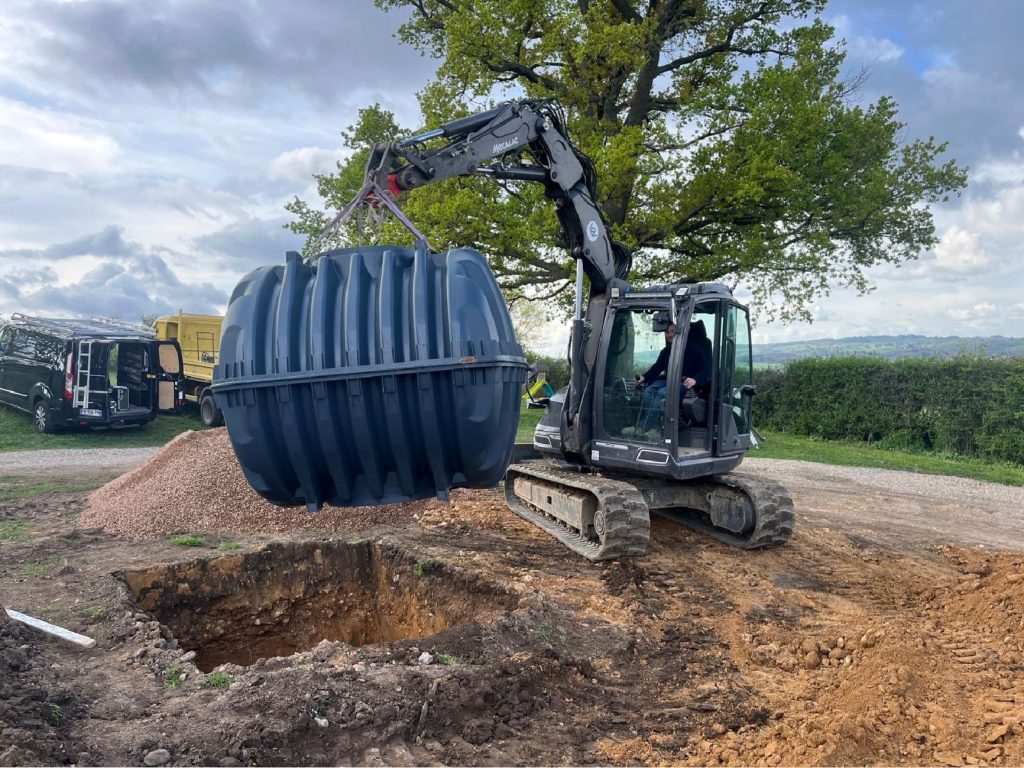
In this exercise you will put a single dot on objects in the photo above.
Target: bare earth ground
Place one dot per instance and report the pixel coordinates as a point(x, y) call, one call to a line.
point(890, 631)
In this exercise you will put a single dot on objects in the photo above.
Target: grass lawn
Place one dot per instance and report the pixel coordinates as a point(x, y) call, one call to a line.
point(528, 418)
point(18, 434)
point(778, 445)
point(16, 488)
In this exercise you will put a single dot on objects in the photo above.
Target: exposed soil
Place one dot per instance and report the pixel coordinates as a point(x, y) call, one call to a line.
point(454, 633)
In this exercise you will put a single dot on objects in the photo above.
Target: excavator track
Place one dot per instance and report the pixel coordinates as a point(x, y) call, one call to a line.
point(770, 504)
point(605, 518)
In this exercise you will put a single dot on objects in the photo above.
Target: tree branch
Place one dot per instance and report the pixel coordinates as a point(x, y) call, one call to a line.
point(521, 70)
point(726, 46)
point(626, 11)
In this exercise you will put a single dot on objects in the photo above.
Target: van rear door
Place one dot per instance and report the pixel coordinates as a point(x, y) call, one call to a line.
point(170, 377)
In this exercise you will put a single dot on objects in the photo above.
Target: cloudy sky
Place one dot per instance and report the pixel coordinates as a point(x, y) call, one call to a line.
point(147, 150)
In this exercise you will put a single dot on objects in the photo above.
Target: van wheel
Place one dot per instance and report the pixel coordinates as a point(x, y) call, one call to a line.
point(41, 418)
point(211, 415)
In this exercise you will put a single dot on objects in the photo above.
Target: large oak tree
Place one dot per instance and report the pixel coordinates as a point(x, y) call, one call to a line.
point(727, 143)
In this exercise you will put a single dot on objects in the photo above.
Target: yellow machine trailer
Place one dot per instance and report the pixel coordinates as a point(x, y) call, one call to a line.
point(199, 339)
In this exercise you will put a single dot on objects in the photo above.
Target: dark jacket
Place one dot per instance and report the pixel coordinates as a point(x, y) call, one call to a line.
point(657, 370)
point(696, 359)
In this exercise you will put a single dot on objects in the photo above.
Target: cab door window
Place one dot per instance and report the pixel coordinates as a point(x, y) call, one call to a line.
point(742, 374)
point(736, 386)
point(630, 411)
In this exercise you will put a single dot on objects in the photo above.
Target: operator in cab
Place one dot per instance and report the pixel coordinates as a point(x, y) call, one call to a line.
point(696, 370)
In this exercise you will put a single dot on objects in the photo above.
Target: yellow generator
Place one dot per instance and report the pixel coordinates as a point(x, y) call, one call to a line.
point(199, 339)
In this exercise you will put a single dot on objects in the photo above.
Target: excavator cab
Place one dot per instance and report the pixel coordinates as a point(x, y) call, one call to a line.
point(665, 429)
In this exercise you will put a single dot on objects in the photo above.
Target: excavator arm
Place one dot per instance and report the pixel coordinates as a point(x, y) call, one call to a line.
point(522, 141)
point(490, 144)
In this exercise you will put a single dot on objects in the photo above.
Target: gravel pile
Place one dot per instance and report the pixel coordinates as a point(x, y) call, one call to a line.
point(196, 484)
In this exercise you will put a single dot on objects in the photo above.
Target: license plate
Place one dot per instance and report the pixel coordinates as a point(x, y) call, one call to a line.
point(91, 412)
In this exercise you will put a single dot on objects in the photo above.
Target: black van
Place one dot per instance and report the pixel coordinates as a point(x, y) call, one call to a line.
point(96, 373)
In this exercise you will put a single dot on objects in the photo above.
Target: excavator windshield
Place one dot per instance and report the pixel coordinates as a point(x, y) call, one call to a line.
point(639, 345)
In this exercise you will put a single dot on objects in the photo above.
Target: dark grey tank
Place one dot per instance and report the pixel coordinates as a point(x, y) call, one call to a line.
point(370, 375)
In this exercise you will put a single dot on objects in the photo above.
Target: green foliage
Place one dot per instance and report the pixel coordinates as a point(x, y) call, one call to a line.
point(968, 406)
point(188, 540)
point(218, 680)
point(424, 567)
point(174, 677)
point(726, 144)
point(447, 658)
point(95, 611)
point(558, 368)
point(374, 125)
point(228, 546)
point(54, 713)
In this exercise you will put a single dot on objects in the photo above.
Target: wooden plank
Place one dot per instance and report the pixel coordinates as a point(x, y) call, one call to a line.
point(52, 629)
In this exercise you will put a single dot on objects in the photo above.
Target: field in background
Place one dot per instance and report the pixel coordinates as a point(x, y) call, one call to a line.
point(889, 348)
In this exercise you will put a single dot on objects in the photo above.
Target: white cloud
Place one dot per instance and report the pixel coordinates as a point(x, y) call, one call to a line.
point(1001, 214)
point(981, 311)
point(53, 141)
point(863, 46)
point(1008, 170)
point(300, 164)
point(960, 252)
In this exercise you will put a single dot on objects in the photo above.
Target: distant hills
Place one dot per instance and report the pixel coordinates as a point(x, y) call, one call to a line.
point(889, 347)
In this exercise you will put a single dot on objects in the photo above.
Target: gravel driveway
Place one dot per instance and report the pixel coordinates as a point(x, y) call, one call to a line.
point(67, 461)
point(900, 508)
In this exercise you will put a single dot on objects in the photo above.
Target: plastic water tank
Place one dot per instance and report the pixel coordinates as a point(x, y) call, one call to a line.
point(370, 375)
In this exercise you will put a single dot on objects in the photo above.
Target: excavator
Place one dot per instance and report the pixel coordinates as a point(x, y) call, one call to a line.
point(608, 451)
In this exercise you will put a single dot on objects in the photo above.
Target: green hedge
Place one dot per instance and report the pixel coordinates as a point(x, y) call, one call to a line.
point(966, 405)
point(558, 373)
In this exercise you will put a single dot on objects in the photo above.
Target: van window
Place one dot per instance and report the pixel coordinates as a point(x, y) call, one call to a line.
point(5, 338)
point(50, 351)
point(24, 344)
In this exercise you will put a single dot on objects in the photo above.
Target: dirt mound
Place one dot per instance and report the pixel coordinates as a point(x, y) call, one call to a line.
point(33, 707)
point(196, 484)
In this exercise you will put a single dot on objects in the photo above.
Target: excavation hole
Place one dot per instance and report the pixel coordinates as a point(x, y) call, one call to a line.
point(288, 597)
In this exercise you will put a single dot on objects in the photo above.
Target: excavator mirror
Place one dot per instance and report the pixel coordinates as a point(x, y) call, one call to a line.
point(660, 322)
